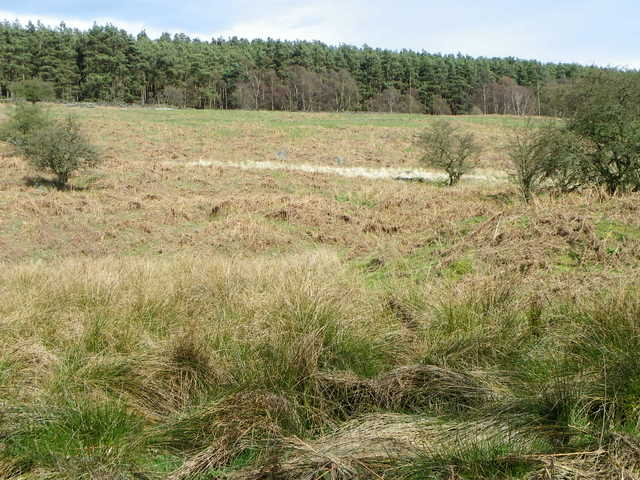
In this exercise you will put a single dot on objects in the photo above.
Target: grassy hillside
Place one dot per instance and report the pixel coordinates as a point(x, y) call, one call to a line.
point(371, 139)
point(167, 321)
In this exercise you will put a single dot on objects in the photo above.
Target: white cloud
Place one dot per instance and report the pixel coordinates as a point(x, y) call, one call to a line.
point(82, 24)
point(329, 21)
point(521, 41)
point(624, 63)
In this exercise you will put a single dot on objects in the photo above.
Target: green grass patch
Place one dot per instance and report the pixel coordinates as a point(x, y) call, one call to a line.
point(415, 268)
point(79, 435)
point(481, 460)
point(612, 230)
point(357, 199)
point(458, 268)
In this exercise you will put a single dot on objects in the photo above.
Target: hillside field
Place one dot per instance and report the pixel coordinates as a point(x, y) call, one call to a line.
point(172, 318)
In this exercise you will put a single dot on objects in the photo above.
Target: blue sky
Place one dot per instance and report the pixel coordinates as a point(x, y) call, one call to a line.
point(587, 31)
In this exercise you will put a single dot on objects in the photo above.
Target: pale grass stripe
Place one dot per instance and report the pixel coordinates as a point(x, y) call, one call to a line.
point(352, 172)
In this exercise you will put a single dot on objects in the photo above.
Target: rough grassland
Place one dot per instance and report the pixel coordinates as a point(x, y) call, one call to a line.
point(160, 321)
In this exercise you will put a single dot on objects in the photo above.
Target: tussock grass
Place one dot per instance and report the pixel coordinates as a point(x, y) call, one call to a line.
point(182, 346)
point(398, 446)
point(414, 388)
point(295, 367)
point(74, 437)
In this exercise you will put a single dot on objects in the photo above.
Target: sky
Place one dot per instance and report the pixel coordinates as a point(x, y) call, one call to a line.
point(591, 32)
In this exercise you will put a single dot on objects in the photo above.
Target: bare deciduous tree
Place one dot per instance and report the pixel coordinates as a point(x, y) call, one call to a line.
point(449, 149)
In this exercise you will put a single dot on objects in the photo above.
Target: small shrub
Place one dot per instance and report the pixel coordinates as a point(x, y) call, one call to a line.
point(606, 119)
point(549, 156)
point(599, 146)
point(23, 120)
point(448, 149)
point(526, 151)
point(564, 166)
point(33, 90)
point(59, 148)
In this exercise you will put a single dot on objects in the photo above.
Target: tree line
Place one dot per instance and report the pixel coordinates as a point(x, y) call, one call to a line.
point(107, 64)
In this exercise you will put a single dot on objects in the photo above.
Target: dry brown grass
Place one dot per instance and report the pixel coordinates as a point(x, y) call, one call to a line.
point(235, 424)
point(138, 206)
point(376, 140)
point(409, 388)
point(100, 312)
point(294, 319)
point(373, 447)
point(142, 209)
point(618, 459)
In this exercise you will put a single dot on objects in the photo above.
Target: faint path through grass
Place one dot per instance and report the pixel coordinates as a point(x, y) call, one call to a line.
point(352, 172)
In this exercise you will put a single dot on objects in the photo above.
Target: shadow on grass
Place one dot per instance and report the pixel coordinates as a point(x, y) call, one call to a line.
point(426, 181)
point(48, 183)
point(503, 198)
